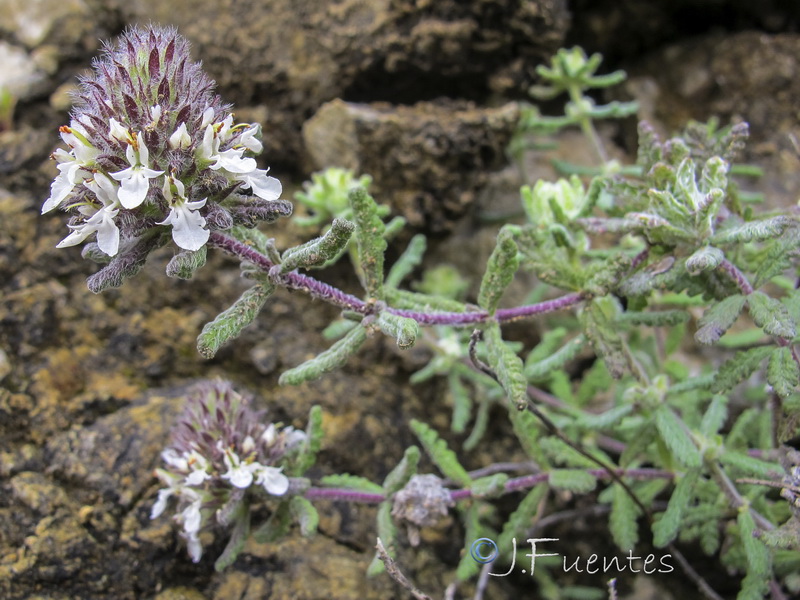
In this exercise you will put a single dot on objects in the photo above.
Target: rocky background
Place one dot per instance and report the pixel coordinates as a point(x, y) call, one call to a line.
point(417, 93)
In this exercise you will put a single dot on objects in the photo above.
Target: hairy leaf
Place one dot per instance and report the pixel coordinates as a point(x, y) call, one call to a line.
point(665, 530)
point(554, 360)
point(715, 415)
point(523, 516)
point(305, 515)
point(186, 262)
point(370, 239)
point(747, 465)
point(719, 318)
point(598, 320)
point(440, 454)
point(239, 535)
point(422, 302)
point(759, 570)
point(573, 480)
point(405, 470)
point(783, 372)
point(762, 230)
point(655, 318)
point(706, 258)
point(771, 315)
point(333, 358)
point(408, 261)
point(500, 269)
point(352, 482)
point(276, 527)
point(622, 520)
point(310, 447)
point(320, 250)
point(462, 403)
point(739, 368)
point(230, 323)
point(491, 486)
point(468, 567)
point(675, 435)
point(405, 330)
point(387, 532)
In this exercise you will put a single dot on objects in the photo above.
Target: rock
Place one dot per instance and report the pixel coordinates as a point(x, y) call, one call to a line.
point(427, 160)
point(294, 55)
point(60, 22)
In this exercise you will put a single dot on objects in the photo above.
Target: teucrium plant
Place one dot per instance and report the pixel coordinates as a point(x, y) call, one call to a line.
point(641, 262)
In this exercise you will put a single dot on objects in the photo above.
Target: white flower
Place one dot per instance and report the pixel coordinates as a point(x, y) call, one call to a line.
point(263, 186)
point(173, 459)
point(191, 517)
point(294, 437)
point(73, 166)
point(193, 546)
point(233, 162)
point(199, 468)
point(188, 225)
point(135, 179)
point(100, 221)
point(117, 131)
point(249, 140)
point(161, 503)
point(272, 480)
point(239, 474)
point(180, 138)
point(155, 114)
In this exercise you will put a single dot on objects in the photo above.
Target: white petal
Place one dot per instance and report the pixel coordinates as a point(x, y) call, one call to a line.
point(117, 131)
point(197, 477)
point(173, 459)
point(249, 140)
point(59, 190)
point(263, 186)
point(192, 519)
point(134, 190)
point(180, 138)
point(187, 225)
point(108, 233)
point(275, 482)
point(194, 547)
point(231, 160)
point(80, 233)
point(161, 502)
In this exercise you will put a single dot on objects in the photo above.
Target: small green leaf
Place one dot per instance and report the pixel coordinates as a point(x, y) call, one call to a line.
point(405, 330)
point(333, 358)
point(675, 435)
point(369, 236)
point(762, 230)
point(783, 372)
point(665, 530)
point(462, 403)
point(440, 454)
point(719, 318)
point(573, 480)
point(502, 265)
point(706, 258)
point(402, 473)
point(408, 261)
point(387, 532)
point(239, 535)
point(739, 368)
point(309, 449)
point(759, 570)
point(771, 315)
point(305, 515)
point(598, 320)
point(554, 360)
point(491, 486)
point(318, 251)
point(352, 482)
point(186, 262)
point(468, 567)
point(507, 366)
point(276, 527)
point(520, 520)
point(655, 318)
point(747, 465)
point(715, 416)
point(622, 520)
point(230, 323)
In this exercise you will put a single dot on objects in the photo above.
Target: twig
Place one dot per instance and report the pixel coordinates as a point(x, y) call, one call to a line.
point(394, 572)
point(687, 568)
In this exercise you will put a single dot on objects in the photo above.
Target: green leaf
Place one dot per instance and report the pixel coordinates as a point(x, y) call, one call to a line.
point(468, 567)
point(759, 569)
point(706, 258)
point(771, 315)
point(529, 433)
point(408, 261)
point(352, 482)
point(675, 435)
point(333, 358)
point(186, 262)
point(747, 465)
point(462, 403)
point(739, 368)
point(402, 473)
point(622, 520)
point(715, 416)
point(239, 535)
point(665, 530)
point(554, 360)
point(440, 454)
point(783, 372)
point(507, 366)
point(405, 330)
point(276, 527)
point(230, 323)
point(305, 515)
point(598, 320)
point(500, 269)
point(606, 418)
point(421, 302)
point(719, 318)
point(370, 239)
point(320, 250)
point(762, 230)
point(309, 449)
point(655, 318)
point(520, 520)
point(491, 486)
point(387, 532)
point(573, 480)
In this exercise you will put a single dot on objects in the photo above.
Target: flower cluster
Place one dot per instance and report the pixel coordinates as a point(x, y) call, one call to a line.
point(221, 452)
point(152, 147)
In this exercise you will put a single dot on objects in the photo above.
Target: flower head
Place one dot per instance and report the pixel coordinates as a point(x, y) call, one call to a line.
point(222, 456)
point(151, 150)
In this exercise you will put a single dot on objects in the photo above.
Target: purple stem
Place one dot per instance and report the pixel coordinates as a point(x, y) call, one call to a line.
point(328, 293)
point(517, 483)
point(738, 277)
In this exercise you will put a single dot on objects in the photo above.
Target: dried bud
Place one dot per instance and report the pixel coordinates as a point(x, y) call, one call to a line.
point(423, 501)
